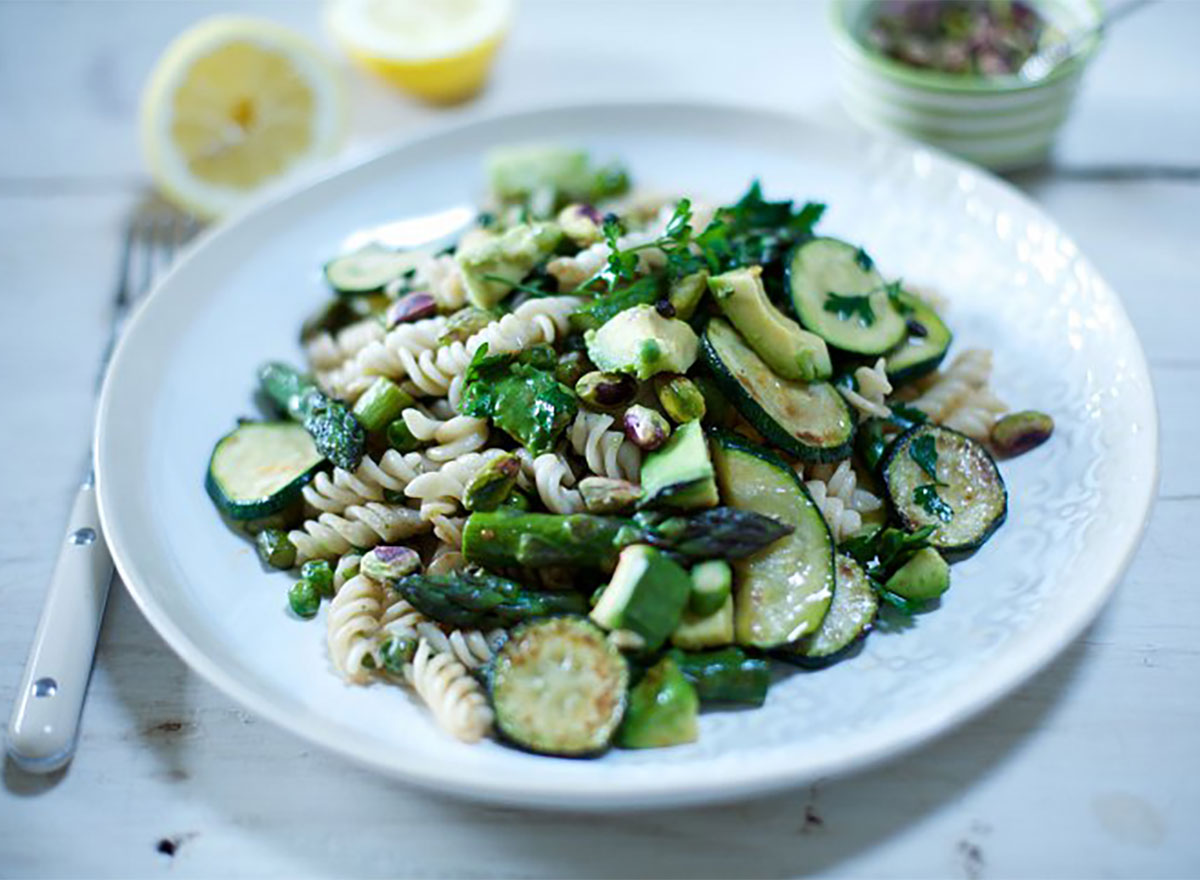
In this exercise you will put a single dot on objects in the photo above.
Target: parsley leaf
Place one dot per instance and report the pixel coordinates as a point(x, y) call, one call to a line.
point(863, 260)
point(923, 450)
point(848, 306)
point(520, 395)
point(927, 497)
point(883, 550)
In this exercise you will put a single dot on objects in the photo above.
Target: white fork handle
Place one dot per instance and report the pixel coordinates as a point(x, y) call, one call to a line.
point(45, 718)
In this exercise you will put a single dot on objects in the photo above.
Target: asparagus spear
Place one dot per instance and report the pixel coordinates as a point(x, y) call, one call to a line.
point(337, 434)
point(482, 600)
point(510, 538)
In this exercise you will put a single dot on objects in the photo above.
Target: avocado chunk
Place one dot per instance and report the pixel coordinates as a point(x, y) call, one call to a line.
point(686, 293)
point(680, 474)
point(544, 177)
point(646, 595)
point(698, 631)
point(663, 710)
point(788, 349)
point(491, 267)
point(925, 576)
point(641, 341)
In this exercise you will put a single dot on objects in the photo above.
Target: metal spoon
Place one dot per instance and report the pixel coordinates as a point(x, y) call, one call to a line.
point(1041, 64)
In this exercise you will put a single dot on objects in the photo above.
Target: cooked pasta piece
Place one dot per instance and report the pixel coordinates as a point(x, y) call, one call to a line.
point(352, 627)
point(471, 647)
point(841, 501)
point(947, 389)
point(389, 356)
point(441, 491)
point(346, 568)
point(870, 398)
point(359, 526)
point(608, 453)
point(553, 479)
point(370, 481)
point(976, 413)
point(446, 558)
point(453, 437)
point(454, 697)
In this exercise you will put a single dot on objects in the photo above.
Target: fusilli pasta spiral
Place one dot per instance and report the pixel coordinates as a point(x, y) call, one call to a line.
point(836, 492)
point(359, 527)
point(390, 356)
point(608, 453)
point(976, 414)
point(333, 493)
point(346, 568)
point(553, 478)
point(870, 398)
point(454, 437)
point(452, 694)
point(471, 647)
point(948, 388)
point(352, 625)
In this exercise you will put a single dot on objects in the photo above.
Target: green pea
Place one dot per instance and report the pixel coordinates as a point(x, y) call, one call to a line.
point(304, 600)
point(318, 574)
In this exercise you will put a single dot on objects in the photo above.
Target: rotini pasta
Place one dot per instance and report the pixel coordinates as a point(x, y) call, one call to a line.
point(453, 696)
point(359, 527)
point(553, 479)
point(608, 453)
point(947, 389)
point(352, 626)
point(453, 437)
point(471, 647)
point(371, 481)
point(836, 492)
point(870, 398)
point(390, 356)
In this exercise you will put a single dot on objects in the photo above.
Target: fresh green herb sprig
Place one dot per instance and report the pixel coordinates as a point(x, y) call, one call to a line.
point(881, 552)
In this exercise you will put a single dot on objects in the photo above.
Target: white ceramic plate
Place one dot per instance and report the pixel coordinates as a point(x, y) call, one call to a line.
point(185, 371)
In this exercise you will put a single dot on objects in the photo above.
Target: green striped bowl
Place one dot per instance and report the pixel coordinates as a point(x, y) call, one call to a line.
point(999, 122)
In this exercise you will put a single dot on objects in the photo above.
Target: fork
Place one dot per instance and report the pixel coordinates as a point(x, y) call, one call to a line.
point(44, 726)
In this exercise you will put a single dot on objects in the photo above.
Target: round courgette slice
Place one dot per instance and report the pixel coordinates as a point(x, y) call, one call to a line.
point(926, 342)
point(849, 619)
point(837, 293)
point(938, 477)
point(559, 688)
point(260, 468)
point(369, 270)
point(811, 420)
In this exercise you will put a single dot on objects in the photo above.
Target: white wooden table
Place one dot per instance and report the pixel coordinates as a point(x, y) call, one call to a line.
point(1087, 771)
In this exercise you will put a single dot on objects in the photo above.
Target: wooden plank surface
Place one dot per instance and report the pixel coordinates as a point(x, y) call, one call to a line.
point(1081, 773)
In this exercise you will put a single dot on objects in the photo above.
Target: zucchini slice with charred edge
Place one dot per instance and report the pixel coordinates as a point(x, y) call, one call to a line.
point(811, 420)
point(369, 270)
point(259, 468)
point(925, 345)
point(558, 687)
point(837, 293)
point(966, 503)
point(851, 614)
point(782, 592)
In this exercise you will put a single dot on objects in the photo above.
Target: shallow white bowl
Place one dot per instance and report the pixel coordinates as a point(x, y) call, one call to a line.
point(185, 371)
point(1002, 123)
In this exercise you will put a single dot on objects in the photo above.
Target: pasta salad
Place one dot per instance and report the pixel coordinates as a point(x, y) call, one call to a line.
point(606, 457)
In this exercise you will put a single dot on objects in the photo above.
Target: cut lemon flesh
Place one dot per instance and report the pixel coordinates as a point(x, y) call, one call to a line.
point(440, 50)
point(235, 103)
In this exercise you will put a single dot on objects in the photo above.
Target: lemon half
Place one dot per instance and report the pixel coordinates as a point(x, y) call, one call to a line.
point(234, 103)
point(440, 50)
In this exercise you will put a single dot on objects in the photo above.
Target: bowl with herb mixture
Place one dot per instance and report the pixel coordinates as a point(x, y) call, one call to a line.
point(607, 458)
point(530, 456)
point(946, 72)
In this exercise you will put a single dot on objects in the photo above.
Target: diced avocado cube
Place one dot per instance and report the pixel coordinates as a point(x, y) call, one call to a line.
point(493, 266)
point(640, 341)
point(680, 474)
point(647, 594)
point(699, 631)
point(925, 576)
point(663, 710)
point(517, 172)
point(789, 350)
point(686, 293)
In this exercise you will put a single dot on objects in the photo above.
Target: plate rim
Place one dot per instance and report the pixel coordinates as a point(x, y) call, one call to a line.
point(906, 735)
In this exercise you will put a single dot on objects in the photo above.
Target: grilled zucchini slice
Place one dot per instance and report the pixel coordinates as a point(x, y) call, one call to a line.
point(260, 468)
point(559, 688)
point(938, 477)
